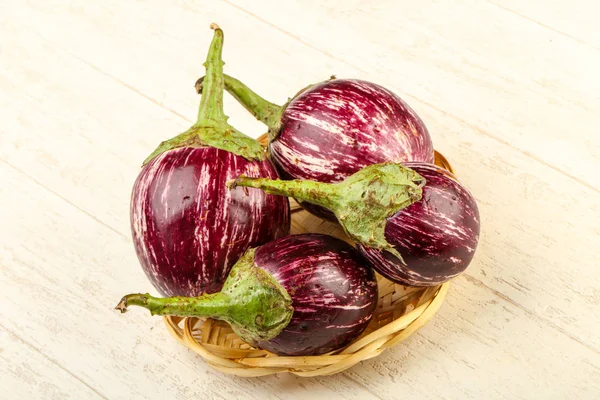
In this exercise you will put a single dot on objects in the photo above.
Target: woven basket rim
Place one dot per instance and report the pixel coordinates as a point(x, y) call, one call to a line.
point(256, 362)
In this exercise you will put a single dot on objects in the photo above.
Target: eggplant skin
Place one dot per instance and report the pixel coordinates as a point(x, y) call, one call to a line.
point(436, 236)
point(334, 292)
point(335, 128)
point(189, 229)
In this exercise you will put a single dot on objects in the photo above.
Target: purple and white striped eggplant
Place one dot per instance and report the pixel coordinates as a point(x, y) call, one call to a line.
point(298, 295)
point(415, 224)
point(335, 128)
point(188, 229)
point(436, 236)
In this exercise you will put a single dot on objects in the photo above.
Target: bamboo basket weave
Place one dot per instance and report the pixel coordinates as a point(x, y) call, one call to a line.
point(401, 311)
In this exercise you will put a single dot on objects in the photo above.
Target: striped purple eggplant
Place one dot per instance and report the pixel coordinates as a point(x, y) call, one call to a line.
point(333, 294)
point(436, 236)
point(188, 229)
point(333, 129)
point(298, 295)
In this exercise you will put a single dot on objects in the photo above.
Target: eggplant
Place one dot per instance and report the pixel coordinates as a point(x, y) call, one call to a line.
point(188, 229)
point(436, 236)
point(299, 295)
point(414, 223)
point(333, 129)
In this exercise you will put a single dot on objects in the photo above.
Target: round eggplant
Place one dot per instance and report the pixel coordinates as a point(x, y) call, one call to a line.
point(298, 295)
point(436, 236)
point(189, 229)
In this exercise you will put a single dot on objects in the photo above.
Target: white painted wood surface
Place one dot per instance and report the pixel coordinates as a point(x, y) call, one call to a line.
point(508, 89)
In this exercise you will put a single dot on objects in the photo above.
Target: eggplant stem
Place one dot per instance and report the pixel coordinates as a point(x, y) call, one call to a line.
point(211, 103)
point(319, 193)
point(210, 305)
point(263, 110)
point(252, 301)
point(361, 203)
point(211, 129)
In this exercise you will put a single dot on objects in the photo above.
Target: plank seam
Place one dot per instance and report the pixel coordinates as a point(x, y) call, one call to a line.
point(480, 130)
point(544, 25)
point(53, 361)
point(529, 312)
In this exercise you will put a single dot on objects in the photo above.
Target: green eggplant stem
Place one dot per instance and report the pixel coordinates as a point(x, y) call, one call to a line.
point(209, 306)
point(211, 128)
point(361, 203)
point(252, 301)
point(264, 111)
point(322, 194)
point(211, 102)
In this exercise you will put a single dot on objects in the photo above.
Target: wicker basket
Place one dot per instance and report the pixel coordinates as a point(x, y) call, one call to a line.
point(401, 311)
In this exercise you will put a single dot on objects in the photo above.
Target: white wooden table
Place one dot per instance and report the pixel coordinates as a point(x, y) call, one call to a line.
point(509, 90)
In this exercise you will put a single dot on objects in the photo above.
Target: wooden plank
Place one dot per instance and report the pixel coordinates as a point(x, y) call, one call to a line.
point(537, 247)
point(575, 20)
point(25, 373)
point(518, 196)
point(526, 89)
point(63, 272)
point(481, 347)
point(87, 141)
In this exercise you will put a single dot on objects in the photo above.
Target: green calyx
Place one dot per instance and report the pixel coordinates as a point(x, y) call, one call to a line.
point(266, 112)
point(211, 128)
point(252, 301)
point(361, 203)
